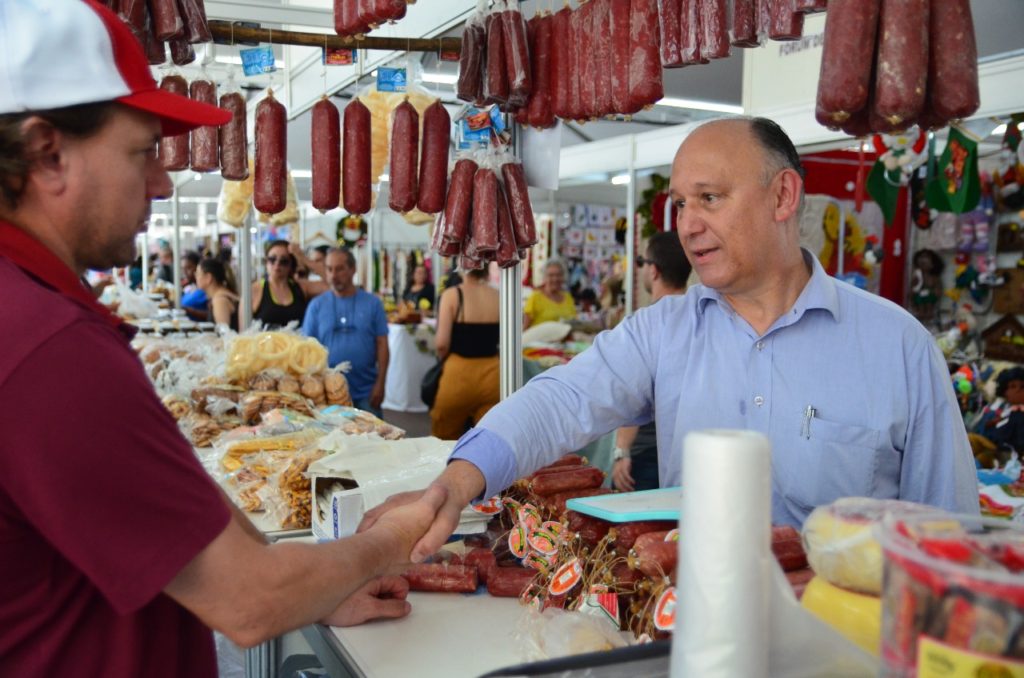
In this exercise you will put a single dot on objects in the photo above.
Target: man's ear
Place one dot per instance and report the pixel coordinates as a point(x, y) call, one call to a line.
point(45, 147)
point(787, 185)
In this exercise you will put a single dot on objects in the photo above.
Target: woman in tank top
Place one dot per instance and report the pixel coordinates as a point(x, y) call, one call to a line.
point(279, 298)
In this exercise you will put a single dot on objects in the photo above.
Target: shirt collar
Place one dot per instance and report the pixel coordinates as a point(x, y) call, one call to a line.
point(819, 292)
point(34, 258)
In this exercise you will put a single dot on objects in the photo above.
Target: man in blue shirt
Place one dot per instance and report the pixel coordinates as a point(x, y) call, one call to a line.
point(351, 323)
point(849, 388)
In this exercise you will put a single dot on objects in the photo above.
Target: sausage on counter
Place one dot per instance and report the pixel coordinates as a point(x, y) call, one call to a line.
point(539, 110)
point(569, 460)
point(459, 201)
point(433, 182)
point(326, 145)
point(714, 43)
point(744, 23)
point(790, 554)
point(166, 19)
point(519, 204)
point(483, 560)
point(953, 60)
point(848, 53)
point(590, 529)
point(645, 84)
point(627, 533)
point(471, 62)
point(405, 148)
point(193, 14)
point(496, 82)
point(555, 503)
point(205, 154)
point(657, 558)
point(786, 22)
point(669, 24)
point(355, 159)
point(181, 52)
point(270, 194)
point(575, 478)
point(517, 58)
point(233, 139)
point(509, 582)
point(507, 254)
point(618, 38)
point(901, 65)
point(174, 151)
point(442, 577)
point(485, 211)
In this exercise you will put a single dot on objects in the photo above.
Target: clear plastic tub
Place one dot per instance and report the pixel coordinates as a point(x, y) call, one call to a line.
point(952, 596)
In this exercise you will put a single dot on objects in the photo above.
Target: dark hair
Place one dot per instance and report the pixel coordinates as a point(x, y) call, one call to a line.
point(665, 251)
point(777, 146)
point(323, 249)
point(285, 244)
point(80, 121)
point(192, 256)
point(215, 267)
point(478, 273)
point(938, 265)
point(349, 257)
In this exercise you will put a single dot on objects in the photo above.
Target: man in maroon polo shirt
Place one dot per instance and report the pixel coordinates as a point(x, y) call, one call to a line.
point(117, 551)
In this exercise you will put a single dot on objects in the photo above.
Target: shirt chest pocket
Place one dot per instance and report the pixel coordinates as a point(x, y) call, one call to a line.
point(833, 460)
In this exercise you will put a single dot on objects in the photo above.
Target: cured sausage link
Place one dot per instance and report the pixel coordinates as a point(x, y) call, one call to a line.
point(233, 138)
point(174, 151)
point(326, 153)
point(355, 160)
point(581, 478)
point(442, 577)
point(846, 60)
point(901, 67)
point(519, 204)
point(270, 187)
point(405, 148)
point(204, 142)
point(433, 181)
point(953, 60)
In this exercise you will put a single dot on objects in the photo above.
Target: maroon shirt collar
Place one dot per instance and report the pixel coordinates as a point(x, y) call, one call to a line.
point(35, 259)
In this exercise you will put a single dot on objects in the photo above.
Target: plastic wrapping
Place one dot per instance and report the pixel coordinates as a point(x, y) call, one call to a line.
point(235, 200)
point(496, 88)
point(205, 151)
point(174, 150)
point(517, 56)
point(539, 112)
point(404, 155)
point(557, 633)
point(471, 60)
point(251, 353)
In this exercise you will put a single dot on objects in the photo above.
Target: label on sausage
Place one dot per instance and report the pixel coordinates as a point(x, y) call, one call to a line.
point(936, 659)
point(258, 60)
point(665, 610)
point(391, 80)
point(673, 534)
point(517, 543)
point(537, 562)
point(512, 505)
point(529, 517)
point(543, 542)
point(554, 527)
point(488, 507)
point(338, 56)
point(566, 578)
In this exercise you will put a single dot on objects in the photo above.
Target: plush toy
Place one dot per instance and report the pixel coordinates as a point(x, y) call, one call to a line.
point(855, 247)
point(899, 155)
point(926, 285)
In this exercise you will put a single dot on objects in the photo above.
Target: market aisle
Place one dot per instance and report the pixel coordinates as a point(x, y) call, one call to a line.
point(416, 424)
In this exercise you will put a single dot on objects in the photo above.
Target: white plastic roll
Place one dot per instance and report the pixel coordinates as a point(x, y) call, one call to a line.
point(722, 627)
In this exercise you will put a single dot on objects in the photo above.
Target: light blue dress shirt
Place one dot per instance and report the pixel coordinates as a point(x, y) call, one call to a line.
point(349, 327)
point(849, 388)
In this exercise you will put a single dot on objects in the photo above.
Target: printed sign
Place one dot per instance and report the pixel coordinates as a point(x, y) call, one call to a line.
point(258, 60)
point(391, 80)
point(331, 56)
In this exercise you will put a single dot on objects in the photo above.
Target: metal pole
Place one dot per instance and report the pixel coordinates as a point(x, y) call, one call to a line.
point(245, 270)
point(176, 249)
point(631, 227)
point(510, 311)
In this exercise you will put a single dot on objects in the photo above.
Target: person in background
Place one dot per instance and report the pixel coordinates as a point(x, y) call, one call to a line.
point(467, 340)
point(351, 323)
point(120, 552)
point(223, 301)
point(850, 389)
point(280, 299)
point(550, 301)
point(420, 292)
point(165, 263)
point(665, 269)
point(193, 299)
point(310, 268)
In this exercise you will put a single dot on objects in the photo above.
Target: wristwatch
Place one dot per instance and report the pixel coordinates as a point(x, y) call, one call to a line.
point(619, 453)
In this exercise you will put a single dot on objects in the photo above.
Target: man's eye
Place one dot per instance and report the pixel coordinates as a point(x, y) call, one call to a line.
point(710, 198)
point(679, 204)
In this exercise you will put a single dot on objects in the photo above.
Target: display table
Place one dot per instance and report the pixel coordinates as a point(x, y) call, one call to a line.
point(446, 634)
point(406, 368)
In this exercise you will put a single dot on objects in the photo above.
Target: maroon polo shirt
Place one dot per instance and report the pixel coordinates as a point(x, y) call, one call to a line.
point(102, 501)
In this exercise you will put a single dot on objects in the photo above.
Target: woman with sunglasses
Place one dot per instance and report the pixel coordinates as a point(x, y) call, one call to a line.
point(280, 298)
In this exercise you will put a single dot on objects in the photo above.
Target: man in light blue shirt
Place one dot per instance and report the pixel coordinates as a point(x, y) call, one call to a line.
point(848, 387)
point(351, 323)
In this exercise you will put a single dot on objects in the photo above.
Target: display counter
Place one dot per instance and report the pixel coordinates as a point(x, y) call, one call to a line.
point(412, 354)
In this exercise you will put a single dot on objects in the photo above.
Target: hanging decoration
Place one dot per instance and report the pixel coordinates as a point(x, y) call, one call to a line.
point(899, 155)
point(650, 214)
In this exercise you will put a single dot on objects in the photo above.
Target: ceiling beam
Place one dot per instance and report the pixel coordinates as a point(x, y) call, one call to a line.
point(269, 12)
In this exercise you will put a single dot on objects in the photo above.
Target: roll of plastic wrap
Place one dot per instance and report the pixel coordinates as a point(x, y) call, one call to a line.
point(722, 630)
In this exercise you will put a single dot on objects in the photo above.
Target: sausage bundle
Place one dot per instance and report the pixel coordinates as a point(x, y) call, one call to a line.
point(889, 64)
point(326, 155)
point(179, 23)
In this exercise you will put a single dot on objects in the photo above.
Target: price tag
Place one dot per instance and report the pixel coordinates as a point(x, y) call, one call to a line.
point(566, 577)
point(665, 610)
point(331, 56)
point(391, 80)
point(258, 60)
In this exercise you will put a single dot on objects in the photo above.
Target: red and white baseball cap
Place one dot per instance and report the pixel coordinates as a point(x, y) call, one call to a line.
point(57, 53)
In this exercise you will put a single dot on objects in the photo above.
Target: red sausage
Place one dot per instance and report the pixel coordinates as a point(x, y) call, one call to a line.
point(507, 254)
point(645, 85)
point(471, 61)
point(619, 40)
point(576, 111)
point(483, 560)
point(744, 23)
point(193, 13)
point(784, 533)
point(156, 52)
point(590, 529)
point(346, 18)
point(555, 503)
point(558, 69)
point(649, 538)
point(389, 10)
point(326, 145)
point(901, 65)
point(174, 150)
point(205, 156)
point(669, 12)
point(569, 460)
point(539, 111)
point(134, 13)
point(625, 576)
point(846, 60)
point(953, 60)
point(714, 42)
point(442, 577)
point(517, 58)
point(790, 554)
point(588, 66)
point(181, 52)
point(603, 56)
point(270, 185)
point(355, 159)
point(234, 145)
point(485, 211)
point(166, 19)
point(810, 6)
point(657, 558)
point(858, 124)
point(522, 114)
point(786, 22)
point(367, 14)
point(691, 34)
point(519, 204)
point(405, 148)
point(459, 201)
point(437, 125)
point(582, 478)
point(509, 582)
point(496, 82)
point(626, 533)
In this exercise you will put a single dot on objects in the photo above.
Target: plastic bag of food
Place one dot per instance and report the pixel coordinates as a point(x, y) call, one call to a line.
point(235, 199)
point(557, 633)
point(248, 354)
point(352, 421)
point(291, 500)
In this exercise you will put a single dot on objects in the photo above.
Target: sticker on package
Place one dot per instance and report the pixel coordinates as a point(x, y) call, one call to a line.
point(335, 56)
point(391, 80)
point(258, 60)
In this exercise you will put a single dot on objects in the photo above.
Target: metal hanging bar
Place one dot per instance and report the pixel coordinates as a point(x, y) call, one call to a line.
point(629, 271)
point(510, 311)
point(176, 250)
point(227, 33)
point(245, 271)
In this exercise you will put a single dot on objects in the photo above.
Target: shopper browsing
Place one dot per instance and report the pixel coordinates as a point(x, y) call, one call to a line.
point(351, 323)
point(281, 298)
point(119, 552)
point(550, 302)
point(223, 301)
point(849, 388)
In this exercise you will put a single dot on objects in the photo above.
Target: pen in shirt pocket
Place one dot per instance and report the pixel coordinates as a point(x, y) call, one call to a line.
point(809, 413)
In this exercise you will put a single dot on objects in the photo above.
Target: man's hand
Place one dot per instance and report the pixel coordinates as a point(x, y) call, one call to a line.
point(381, 598)
point(377, 394)
point(621, 477)
point(404, 526)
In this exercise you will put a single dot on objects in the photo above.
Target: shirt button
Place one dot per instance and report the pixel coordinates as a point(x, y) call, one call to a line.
point(760, 346)
point(758, 400)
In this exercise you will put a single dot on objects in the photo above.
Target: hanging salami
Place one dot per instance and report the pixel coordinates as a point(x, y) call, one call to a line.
point(355, 162)
point(233, 140)
point(205, 155)
point(174, 150)
point(433, 180)
point(270, 183)
point(325, 139)
point(405, 145)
